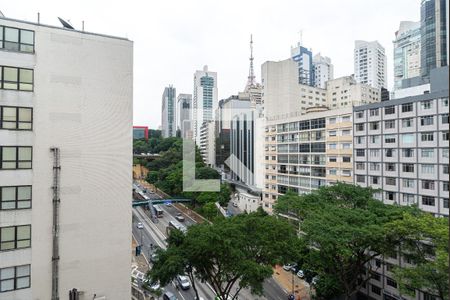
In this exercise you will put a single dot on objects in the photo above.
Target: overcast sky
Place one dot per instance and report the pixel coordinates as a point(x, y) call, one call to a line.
point(172, 39)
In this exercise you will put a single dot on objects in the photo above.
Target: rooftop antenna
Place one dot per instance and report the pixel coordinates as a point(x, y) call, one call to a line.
point(251, 72)
point(300, 42)
point(65, 24)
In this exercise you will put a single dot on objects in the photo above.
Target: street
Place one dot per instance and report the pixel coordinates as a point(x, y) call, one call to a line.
point(155, 233)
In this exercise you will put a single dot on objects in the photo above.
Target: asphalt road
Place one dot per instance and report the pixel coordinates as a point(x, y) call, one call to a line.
point(156, 232)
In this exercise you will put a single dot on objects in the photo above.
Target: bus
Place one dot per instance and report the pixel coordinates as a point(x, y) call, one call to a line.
point(176, 225)
point(158, 211)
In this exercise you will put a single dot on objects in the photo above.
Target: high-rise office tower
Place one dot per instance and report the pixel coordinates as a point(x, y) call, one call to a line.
point(204, 99)
point(370, 63)
point(434, 26)
point(168, 119)
point(406, 52)
point(66, 111)
point(323, 70)
point(184, 115)
point(303, 57)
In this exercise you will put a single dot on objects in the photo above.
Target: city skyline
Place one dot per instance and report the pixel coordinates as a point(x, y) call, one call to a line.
point(158, 40)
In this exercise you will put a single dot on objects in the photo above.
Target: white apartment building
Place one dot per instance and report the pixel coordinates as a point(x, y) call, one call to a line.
point(406, 52)
point(208, 143)
point(184, 115)
point(370, 64)
point(323, 70)
point(345, 91)
point(204, 99)
point(168, 111)
point(70, 91)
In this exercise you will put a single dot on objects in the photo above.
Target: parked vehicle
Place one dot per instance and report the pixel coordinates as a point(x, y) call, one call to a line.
point(287, 267)
point(300, 274)
point(183, 282)
point(140, 225)
point(315, 280)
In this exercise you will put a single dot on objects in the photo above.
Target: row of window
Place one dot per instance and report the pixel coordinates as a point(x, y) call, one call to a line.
point(405, 167)
point(12, 78)
point(425, 184)
point(404, 108)
point(393, 152)
point(15, 39)
point(16, 118)
point(406, 123)
point(15, 237)
point(302, 125)
point(15, 157)
point(15, 278)
point(406, 138)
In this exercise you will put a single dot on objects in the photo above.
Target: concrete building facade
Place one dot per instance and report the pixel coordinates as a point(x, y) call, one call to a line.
point(208, 143)
point(370, 64)
point(71, 91)
point(184, 115)
point(346, 92)
point(169, 106)
point(304, 60)
point(204, 99)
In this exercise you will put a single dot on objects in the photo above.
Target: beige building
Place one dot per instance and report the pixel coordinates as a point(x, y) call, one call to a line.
point(345, 91)
point(305, 152)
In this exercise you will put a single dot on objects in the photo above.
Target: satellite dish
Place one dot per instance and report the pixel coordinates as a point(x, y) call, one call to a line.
point(65, 24)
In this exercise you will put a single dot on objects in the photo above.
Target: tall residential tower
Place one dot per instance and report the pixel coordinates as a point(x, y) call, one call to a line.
point(370, 64)
point(168, 119)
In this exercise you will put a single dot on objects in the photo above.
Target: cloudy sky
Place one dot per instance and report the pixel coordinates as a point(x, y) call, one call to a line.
point(173, 38)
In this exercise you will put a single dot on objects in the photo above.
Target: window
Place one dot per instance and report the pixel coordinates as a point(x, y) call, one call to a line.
point(360, 114)
point(374, 125)
point(445, 186)
point(16, 79)
point(346, 146)
point(15, 237)
point(390, 196)
point(360, 166)
point(390, 181)
point(374, 112)
point(376, 289)
point(426, 120)
point(428, 184)
point(390, 167)
point(332, 133)
point(445, 136)
point(389, 139)
point(15, 197)
point(346, 159)
point(427, 200)
point(390, 124)
point(16, 117)
point(391, 282)
point(445, 153)
point(445, 202)
point(408, 122)
point(407, 138)
point(444, 102)
point(374, 167)
point(360, 127)
point(346, 119)
point(346, 132)
point(444, 118)
point(374, 139)
point(427, 153)
point(360, 152)
point(332, 172)
point(390, 152)
point(12, 157)
point(407, 152)
point(427, 104)
point(389, 110)
point(407, 107)
point(374, 152)
point(445, 169)
point(427, 169)
point(408, 198)
point(408, 168)
point(15, 39)
point(360, 140)
point(374, 179)
point(408, 183)
point(332, 159)
point(14, 278)
point(427, 136)
point(332, 121)
point(360, 178)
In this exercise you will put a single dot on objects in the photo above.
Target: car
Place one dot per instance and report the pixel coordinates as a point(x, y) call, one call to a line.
point(154, 257)
point(287, 267)
point(179, 217)
point(183, 282)
point(315, 280)
point(300, 274)
point(140, 225)
point(295, 268)
point(169, 296)
point(168, 203)
point(235, 204)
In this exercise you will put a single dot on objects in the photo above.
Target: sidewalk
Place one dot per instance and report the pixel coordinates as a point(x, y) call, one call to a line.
point(284, 279)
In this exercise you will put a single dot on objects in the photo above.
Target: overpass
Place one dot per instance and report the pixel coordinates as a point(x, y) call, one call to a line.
point(136, 203)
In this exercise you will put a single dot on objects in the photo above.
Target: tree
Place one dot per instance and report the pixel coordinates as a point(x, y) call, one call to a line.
point(232, 251)
point(424, 240)
point(210, 211)
point(345, 228)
